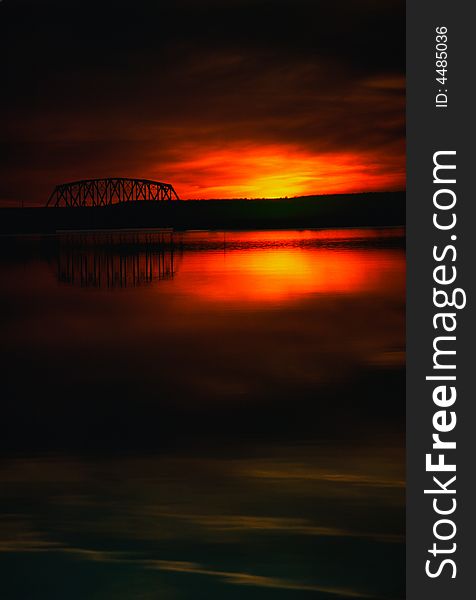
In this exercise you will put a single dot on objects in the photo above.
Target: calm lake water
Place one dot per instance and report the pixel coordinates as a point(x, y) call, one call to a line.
point(203, 415)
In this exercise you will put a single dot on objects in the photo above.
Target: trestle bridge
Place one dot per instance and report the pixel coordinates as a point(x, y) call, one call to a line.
point(112, 190)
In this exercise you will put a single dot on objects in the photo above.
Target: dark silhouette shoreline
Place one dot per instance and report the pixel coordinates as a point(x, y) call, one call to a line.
point(343, 210)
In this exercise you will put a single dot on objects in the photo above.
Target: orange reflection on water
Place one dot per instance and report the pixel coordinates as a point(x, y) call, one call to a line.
point(281, 268)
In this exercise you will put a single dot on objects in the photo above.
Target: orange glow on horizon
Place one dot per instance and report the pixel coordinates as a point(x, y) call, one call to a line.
point(277, 171)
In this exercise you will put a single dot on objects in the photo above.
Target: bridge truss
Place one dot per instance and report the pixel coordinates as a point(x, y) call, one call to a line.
point(103, 192)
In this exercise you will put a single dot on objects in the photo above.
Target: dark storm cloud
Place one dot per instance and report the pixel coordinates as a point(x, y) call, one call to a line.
point(128, 87)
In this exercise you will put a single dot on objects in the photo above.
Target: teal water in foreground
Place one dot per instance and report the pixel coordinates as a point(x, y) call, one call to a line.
point(203, 415)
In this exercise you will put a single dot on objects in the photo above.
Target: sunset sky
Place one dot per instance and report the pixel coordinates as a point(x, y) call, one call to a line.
point(223, 99)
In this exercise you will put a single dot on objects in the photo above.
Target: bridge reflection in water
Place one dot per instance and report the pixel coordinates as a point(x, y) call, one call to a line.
point(116, 259)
